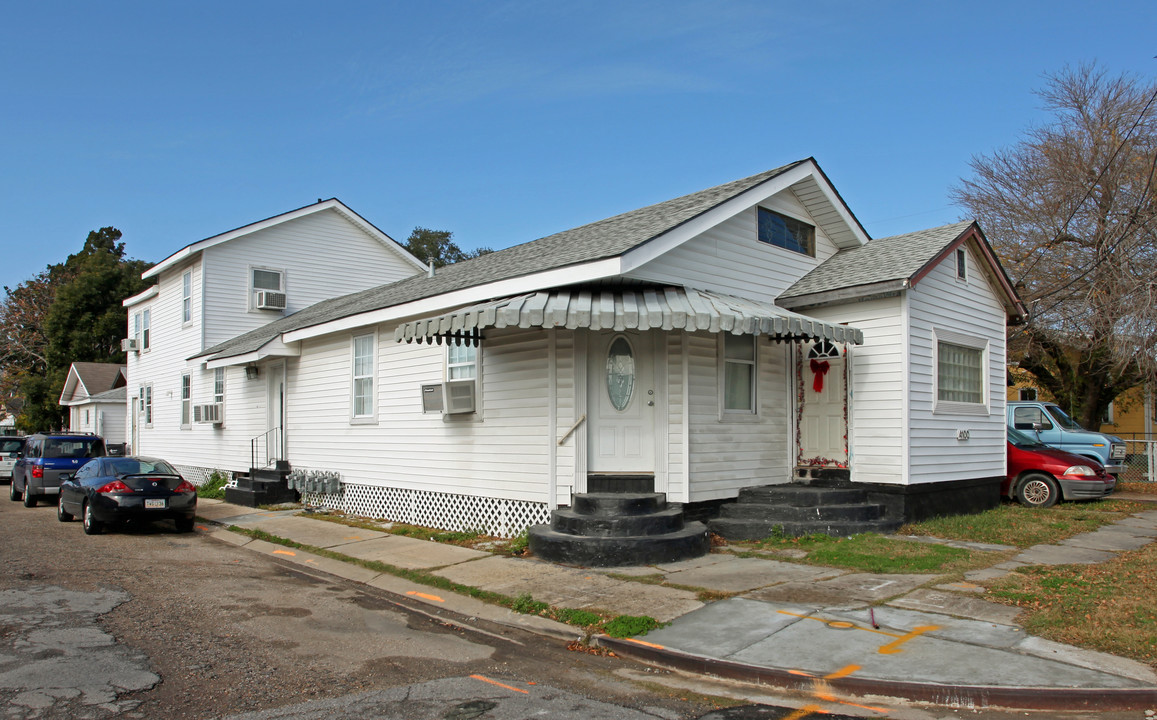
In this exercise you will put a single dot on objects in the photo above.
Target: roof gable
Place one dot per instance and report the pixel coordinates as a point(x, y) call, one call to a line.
point(86, 379)
point(332, 204)
point(896, 263)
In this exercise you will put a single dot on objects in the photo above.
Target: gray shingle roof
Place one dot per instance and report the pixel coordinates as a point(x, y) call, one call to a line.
point(98, 377)
point(899, 257)
point(595, 241)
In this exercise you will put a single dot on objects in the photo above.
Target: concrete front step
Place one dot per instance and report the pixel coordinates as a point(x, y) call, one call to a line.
point(571, 522)
point(796, 513)
point(617, 503)
point(689, 542)
point(801, 495)
point(746, 529)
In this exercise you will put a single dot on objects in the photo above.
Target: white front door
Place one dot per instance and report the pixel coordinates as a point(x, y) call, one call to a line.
point(823, 420)
point(275, 421)
point(621, 402)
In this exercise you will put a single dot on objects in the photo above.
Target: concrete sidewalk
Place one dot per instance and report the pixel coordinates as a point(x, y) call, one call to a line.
point(816, 629)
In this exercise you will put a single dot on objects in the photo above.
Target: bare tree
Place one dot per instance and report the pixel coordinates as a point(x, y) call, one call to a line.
point(1071, 209)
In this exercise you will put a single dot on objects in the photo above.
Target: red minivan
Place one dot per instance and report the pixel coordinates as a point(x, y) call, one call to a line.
point(1039, 476)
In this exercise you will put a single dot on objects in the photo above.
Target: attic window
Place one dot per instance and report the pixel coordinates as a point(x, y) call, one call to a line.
point(961, 264)
point(787, 232)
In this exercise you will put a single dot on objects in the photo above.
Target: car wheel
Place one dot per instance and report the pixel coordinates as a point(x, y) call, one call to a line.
point(184, 525)
point(29, 498)
point(13, 493)
point(1038, 490)
point(61, 514)
point(92, 526)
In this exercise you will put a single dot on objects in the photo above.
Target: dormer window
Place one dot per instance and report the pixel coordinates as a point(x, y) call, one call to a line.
point(787, 232)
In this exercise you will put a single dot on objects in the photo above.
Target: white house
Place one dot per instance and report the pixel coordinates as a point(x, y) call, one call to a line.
point(94, 394)
point(741, 335)
point(215, 289)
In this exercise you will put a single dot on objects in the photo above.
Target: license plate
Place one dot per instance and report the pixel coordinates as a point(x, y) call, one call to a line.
point(151, 504)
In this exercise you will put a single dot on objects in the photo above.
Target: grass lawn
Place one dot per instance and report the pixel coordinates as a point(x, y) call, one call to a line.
point(1109, 607)
point(873, 553)
point(1013, 524)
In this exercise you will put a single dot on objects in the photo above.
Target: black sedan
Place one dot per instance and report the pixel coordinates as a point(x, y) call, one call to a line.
point(114, 489)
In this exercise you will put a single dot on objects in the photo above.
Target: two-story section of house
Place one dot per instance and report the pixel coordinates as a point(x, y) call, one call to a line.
point(217, 288)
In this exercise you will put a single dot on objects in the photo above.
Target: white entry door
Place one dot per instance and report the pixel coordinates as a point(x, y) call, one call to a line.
point(621, 403)
point(275, 417)
point(824, 420)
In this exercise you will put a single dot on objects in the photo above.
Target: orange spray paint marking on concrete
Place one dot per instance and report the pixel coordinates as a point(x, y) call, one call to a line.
point(645, 643)
point(842, 672)
point(285, 552)
point(804, 712)
point(495, 682)
point(202, 527)
point(424, 596)
point(894, 647)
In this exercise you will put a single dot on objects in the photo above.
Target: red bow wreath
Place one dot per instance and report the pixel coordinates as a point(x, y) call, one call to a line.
point(820, 368)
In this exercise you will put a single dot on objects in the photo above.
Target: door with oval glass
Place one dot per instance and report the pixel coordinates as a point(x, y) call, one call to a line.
point(621, 402)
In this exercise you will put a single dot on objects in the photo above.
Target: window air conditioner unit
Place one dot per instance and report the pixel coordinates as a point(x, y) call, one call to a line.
point(458, 397)
point(454, 397)
point(211, 413)
point(129, 345)
point(270, 300)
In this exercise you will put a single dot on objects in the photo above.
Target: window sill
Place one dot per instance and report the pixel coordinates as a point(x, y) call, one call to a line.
point(363, 421)
point(959, 408)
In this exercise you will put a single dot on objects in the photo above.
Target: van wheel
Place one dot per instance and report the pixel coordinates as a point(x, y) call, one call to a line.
point(1037, 490)
point(92, 526)
point(13, 493)
point(29, 498)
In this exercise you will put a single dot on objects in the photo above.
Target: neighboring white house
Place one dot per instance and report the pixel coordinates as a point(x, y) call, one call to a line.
point(656, 349)
point(94, 394)
point(215, 289)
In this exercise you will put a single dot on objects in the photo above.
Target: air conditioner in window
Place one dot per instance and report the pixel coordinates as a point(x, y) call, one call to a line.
point(129, 345)
point(210, 413)
point(458, 397)
point(270, 300)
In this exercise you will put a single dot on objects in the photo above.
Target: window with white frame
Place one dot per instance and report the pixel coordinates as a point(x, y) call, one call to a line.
point(219, 385)
point(738, 373)
point(461, 361)
point(146, 399)
point(786, 232)
point(362, 406)
point(264, 279)
point(186, 400)
point(187, 297)
point(961, 264)
point(146, 323)
point(961, 362)
point(1027, 394)
point(137, 329)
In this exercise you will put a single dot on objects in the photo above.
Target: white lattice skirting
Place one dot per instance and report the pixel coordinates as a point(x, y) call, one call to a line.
point(200, 475)
point(492, 516)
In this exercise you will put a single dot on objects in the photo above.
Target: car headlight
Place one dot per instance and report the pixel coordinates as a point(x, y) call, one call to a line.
point(1081, 470)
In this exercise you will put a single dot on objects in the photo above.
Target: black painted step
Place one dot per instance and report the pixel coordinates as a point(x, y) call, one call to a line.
point(743, 529)
point(571, 522)
point(548, 544)
point(618, 503)
point(801, 495)
point(795, 513)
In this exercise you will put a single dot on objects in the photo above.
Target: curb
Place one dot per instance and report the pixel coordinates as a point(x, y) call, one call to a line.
point(971, 696)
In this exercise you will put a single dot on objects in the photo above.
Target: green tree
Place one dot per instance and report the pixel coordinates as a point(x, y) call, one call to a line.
point(69, 312)
point(438, 247)
point(1072, 210)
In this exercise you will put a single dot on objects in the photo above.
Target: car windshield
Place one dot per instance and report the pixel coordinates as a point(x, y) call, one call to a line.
point(73, 447)
point(140, 466)
point(1062, 419)
point(1022, 440)
point(10, 446)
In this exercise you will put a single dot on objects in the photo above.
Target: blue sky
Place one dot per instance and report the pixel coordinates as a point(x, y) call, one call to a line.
point(504, 121)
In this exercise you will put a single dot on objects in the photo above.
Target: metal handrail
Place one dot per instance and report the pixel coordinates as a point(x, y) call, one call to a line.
point(263, 439)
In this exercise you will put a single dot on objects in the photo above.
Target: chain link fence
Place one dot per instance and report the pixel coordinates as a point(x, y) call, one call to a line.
point(1140, 458)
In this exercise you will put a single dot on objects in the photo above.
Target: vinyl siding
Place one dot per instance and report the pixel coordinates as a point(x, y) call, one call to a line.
point(730, 259)
point(502, 451)
point(877, 421)
point(739, 450)
point(943, 303)
point(321, 255)
point(566, 414)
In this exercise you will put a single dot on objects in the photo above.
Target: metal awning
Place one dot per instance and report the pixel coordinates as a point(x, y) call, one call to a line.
point(668, 308)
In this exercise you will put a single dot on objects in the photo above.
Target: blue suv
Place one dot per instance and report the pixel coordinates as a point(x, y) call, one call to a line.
point(49, 459)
